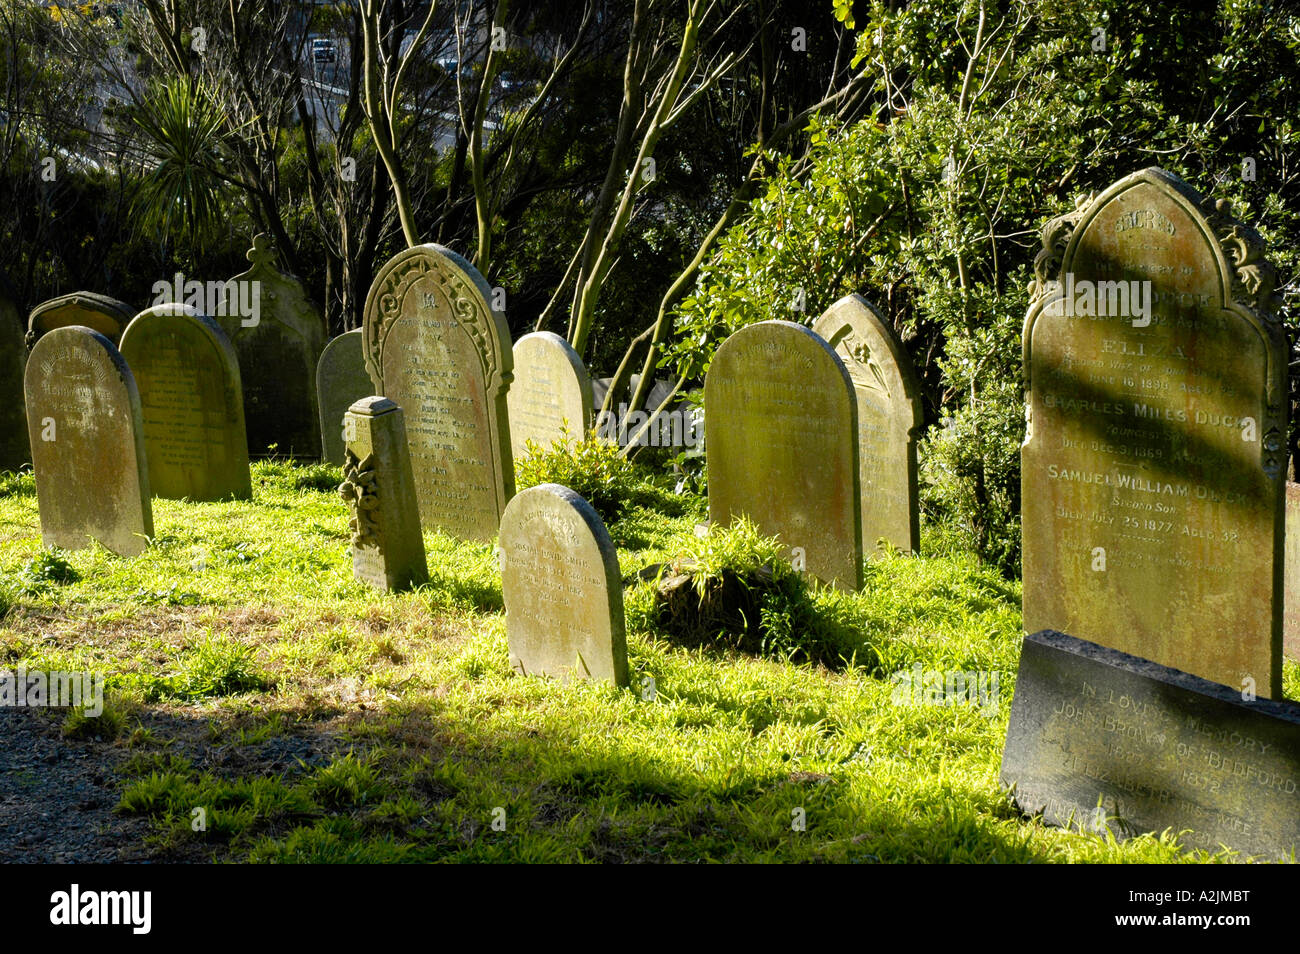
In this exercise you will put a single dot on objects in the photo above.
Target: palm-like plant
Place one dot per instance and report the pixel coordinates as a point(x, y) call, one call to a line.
point(182, 129)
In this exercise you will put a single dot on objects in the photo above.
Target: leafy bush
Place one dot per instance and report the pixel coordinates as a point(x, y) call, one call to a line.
point(49, 567)
point(733, 588)
point(591, 467)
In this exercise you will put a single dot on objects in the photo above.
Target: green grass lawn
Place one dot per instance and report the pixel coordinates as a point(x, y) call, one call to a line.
point(313, 719)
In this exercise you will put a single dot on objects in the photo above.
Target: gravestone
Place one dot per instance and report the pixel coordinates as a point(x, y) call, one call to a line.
point(1104, 740)
point(889, 414)
point(562, 588)
point(14, 450)
point(87, 439)
point(387, 549)
point(781, 442)
point(1155, 370)
point(188, 377)
point(100, 313)
point(437, 348)
point(551, 392)
point(341, 381)
point(1291, 588)
point(278, 342)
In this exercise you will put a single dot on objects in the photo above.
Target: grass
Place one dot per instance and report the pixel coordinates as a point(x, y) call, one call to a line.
point(263, 706)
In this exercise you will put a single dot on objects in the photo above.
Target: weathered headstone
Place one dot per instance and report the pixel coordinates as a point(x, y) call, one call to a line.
point(341, 381)
point(1104, 740)
point(562, 588)
point(1291, 588)
point(436, 347)
point(14, 450)
point(188, 377)
point(100, 313)
point(387, 549)
point(278, 341)
point(87, 439)
point(1155, 370)
point(551, 392)
point(889, 414)
point(781, 441)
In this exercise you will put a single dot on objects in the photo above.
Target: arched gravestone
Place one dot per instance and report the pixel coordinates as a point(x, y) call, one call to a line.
point(278, 346)
point(189, 386)
point(551, 389)
point(341, 381)
point(100, 313)
point(436, 348)
point(562, 588)
point(14, 450)
point(88, 441)
point(889, 413)
point(781, 442)
point(1153, 463)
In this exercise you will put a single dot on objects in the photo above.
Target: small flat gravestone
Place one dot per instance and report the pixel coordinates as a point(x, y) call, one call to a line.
point(278, 335)
point(87, 438)
point(781, 442)
point(1103, 740)
point(193, 410)
point(889, 413)
point(100, 313)
point(551, 392)
point(1152, 471)
point(387, 549)
point(436, 347)
point(562, 588)
point(341, 381)
point(14, 450)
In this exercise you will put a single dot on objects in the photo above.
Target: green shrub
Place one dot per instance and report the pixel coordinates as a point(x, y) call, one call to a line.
point(49, 567)
point(591, 467)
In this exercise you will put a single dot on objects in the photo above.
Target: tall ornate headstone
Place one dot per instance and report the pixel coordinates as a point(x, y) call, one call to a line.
point(889, 414)
point(436, 347)
point(781, 440)
point(278, 345)
point(1155, 369)
point(87, 440)
point(14, 451)
point(189, 386)
point(562, 588)
point(387, 549)
point(100, 313)
point(341, 381)
point(551, 392)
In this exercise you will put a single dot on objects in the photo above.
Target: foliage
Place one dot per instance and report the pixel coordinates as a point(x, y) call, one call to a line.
point(989, 122)
point(46, 568)
point(590, 467)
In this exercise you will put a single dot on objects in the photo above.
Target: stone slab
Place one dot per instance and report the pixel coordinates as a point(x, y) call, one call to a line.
point(1152, 470)
point(562, 588)
point(341, 381)
point(101, 313)
point(278, 342)
point(551, 392)
point(14, 449)
point(781, 442)
point(1152, 747)
point(87, 434)
point(384, 518)
point(188, 378)
point(889, 415)
point(436, 347)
